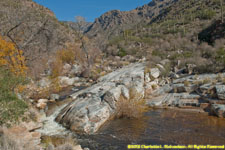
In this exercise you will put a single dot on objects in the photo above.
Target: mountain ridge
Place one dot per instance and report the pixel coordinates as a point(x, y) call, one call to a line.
point(117, 20)
point(33, 29)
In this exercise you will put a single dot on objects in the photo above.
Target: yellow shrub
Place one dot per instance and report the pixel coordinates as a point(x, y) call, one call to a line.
point(12, 57)
point(55, 86)
point(20, 88)
point(43, 93)
point(66, 55)
point(56, 67)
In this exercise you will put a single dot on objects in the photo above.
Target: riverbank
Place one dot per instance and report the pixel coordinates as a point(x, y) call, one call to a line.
point(83, 111)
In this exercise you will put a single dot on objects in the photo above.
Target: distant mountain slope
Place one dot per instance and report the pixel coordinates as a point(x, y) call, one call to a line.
point(33, 28)
point(184, 31)
point(76, 27)
point(166, 16)
point(114, 22)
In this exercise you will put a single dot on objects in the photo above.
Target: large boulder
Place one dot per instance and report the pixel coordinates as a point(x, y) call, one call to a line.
point(44, 82)
point(54, 97)
point(218, 110)
point(155, 73)
point(174, 99)
point(66, 68)
point(93, 106)
point(66, 81)
point(181, 88)
point(76, 69)
point(42, 103)
point(220, 90)
point(162, 90)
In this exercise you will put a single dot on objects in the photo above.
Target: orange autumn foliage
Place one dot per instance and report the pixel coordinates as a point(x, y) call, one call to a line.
point(12, 58)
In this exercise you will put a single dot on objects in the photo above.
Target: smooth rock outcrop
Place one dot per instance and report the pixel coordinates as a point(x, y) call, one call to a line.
point(93, 106)
point(54, 97)
point(42, 103)
point(44, 82)
point(218, 110)
point(155, 73)
point(220, 90)
point(174, 99)
point(66, 81)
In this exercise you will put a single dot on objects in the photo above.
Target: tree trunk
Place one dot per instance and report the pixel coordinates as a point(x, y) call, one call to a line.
point(221, 8)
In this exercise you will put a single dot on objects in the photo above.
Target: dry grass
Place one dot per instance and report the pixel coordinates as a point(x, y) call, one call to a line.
point(44, 93)
point(66, 146)
point(8, 144)
point(206, 80)
point(198, 82)
point(56, 68)
point(59, 143)
point(147, 69)
point(154, 86)
point(186, 83)
point(66, 55)
point(134, 107)
point(11, 142)
point(223, 80)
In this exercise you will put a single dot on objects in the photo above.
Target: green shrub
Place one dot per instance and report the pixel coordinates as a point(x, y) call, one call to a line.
point(116, 40)
point(220, 55)
point(122, 52)
point(167, 68)
point(158, 53)
point(206, 14)
point(11, 108)
point(188, 54)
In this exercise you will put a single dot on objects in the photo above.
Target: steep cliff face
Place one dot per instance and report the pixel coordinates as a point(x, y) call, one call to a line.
point(33, 28)
point(113, 22)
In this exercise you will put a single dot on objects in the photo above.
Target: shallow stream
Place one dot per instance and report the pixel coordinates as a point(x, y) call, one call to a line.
point(160, 126)
point(157, 126)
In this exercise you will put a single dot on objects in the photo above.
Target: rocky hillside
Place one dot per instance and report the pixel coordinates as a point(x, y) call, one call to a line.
point(33, 28)
point(114, 22)
point(185, 32)
point(76, 27)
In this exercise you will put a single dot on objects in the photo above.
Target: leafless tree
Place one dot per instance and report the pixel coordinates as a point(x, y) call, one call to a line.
point(221, 9)
point(80, 24)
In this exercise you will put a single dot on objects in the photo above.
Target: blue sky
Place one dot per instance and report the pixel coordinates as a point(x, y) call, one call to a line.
point(66, 10)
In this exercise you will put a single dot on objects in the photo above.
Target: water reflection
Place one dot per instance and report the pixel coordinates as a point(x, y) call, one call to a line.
point(129, 129)
point(168, 127)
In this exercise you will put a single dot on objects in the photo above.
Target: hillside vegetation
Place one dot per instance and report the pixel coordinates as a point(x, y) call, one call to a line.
point(33, 29)
point(187, 32)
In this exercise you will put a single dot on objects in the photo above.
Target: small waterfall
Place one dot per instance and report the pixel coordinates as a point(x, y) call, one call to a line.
point(51, 127)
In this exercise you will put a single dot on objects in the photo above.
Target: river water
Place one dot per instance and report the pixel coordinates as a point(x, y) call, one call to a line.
point(160, 126)
point(157, 126)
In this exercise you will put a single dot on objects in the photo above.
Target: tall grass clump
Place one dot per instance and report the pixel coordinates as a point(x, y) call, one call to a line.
point(134, 107)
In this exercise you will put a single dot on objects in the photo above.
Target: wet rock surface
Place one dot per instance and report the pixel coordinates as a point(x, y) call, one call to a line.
point(93, 106)
point(220, 89)
point(218, 110)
